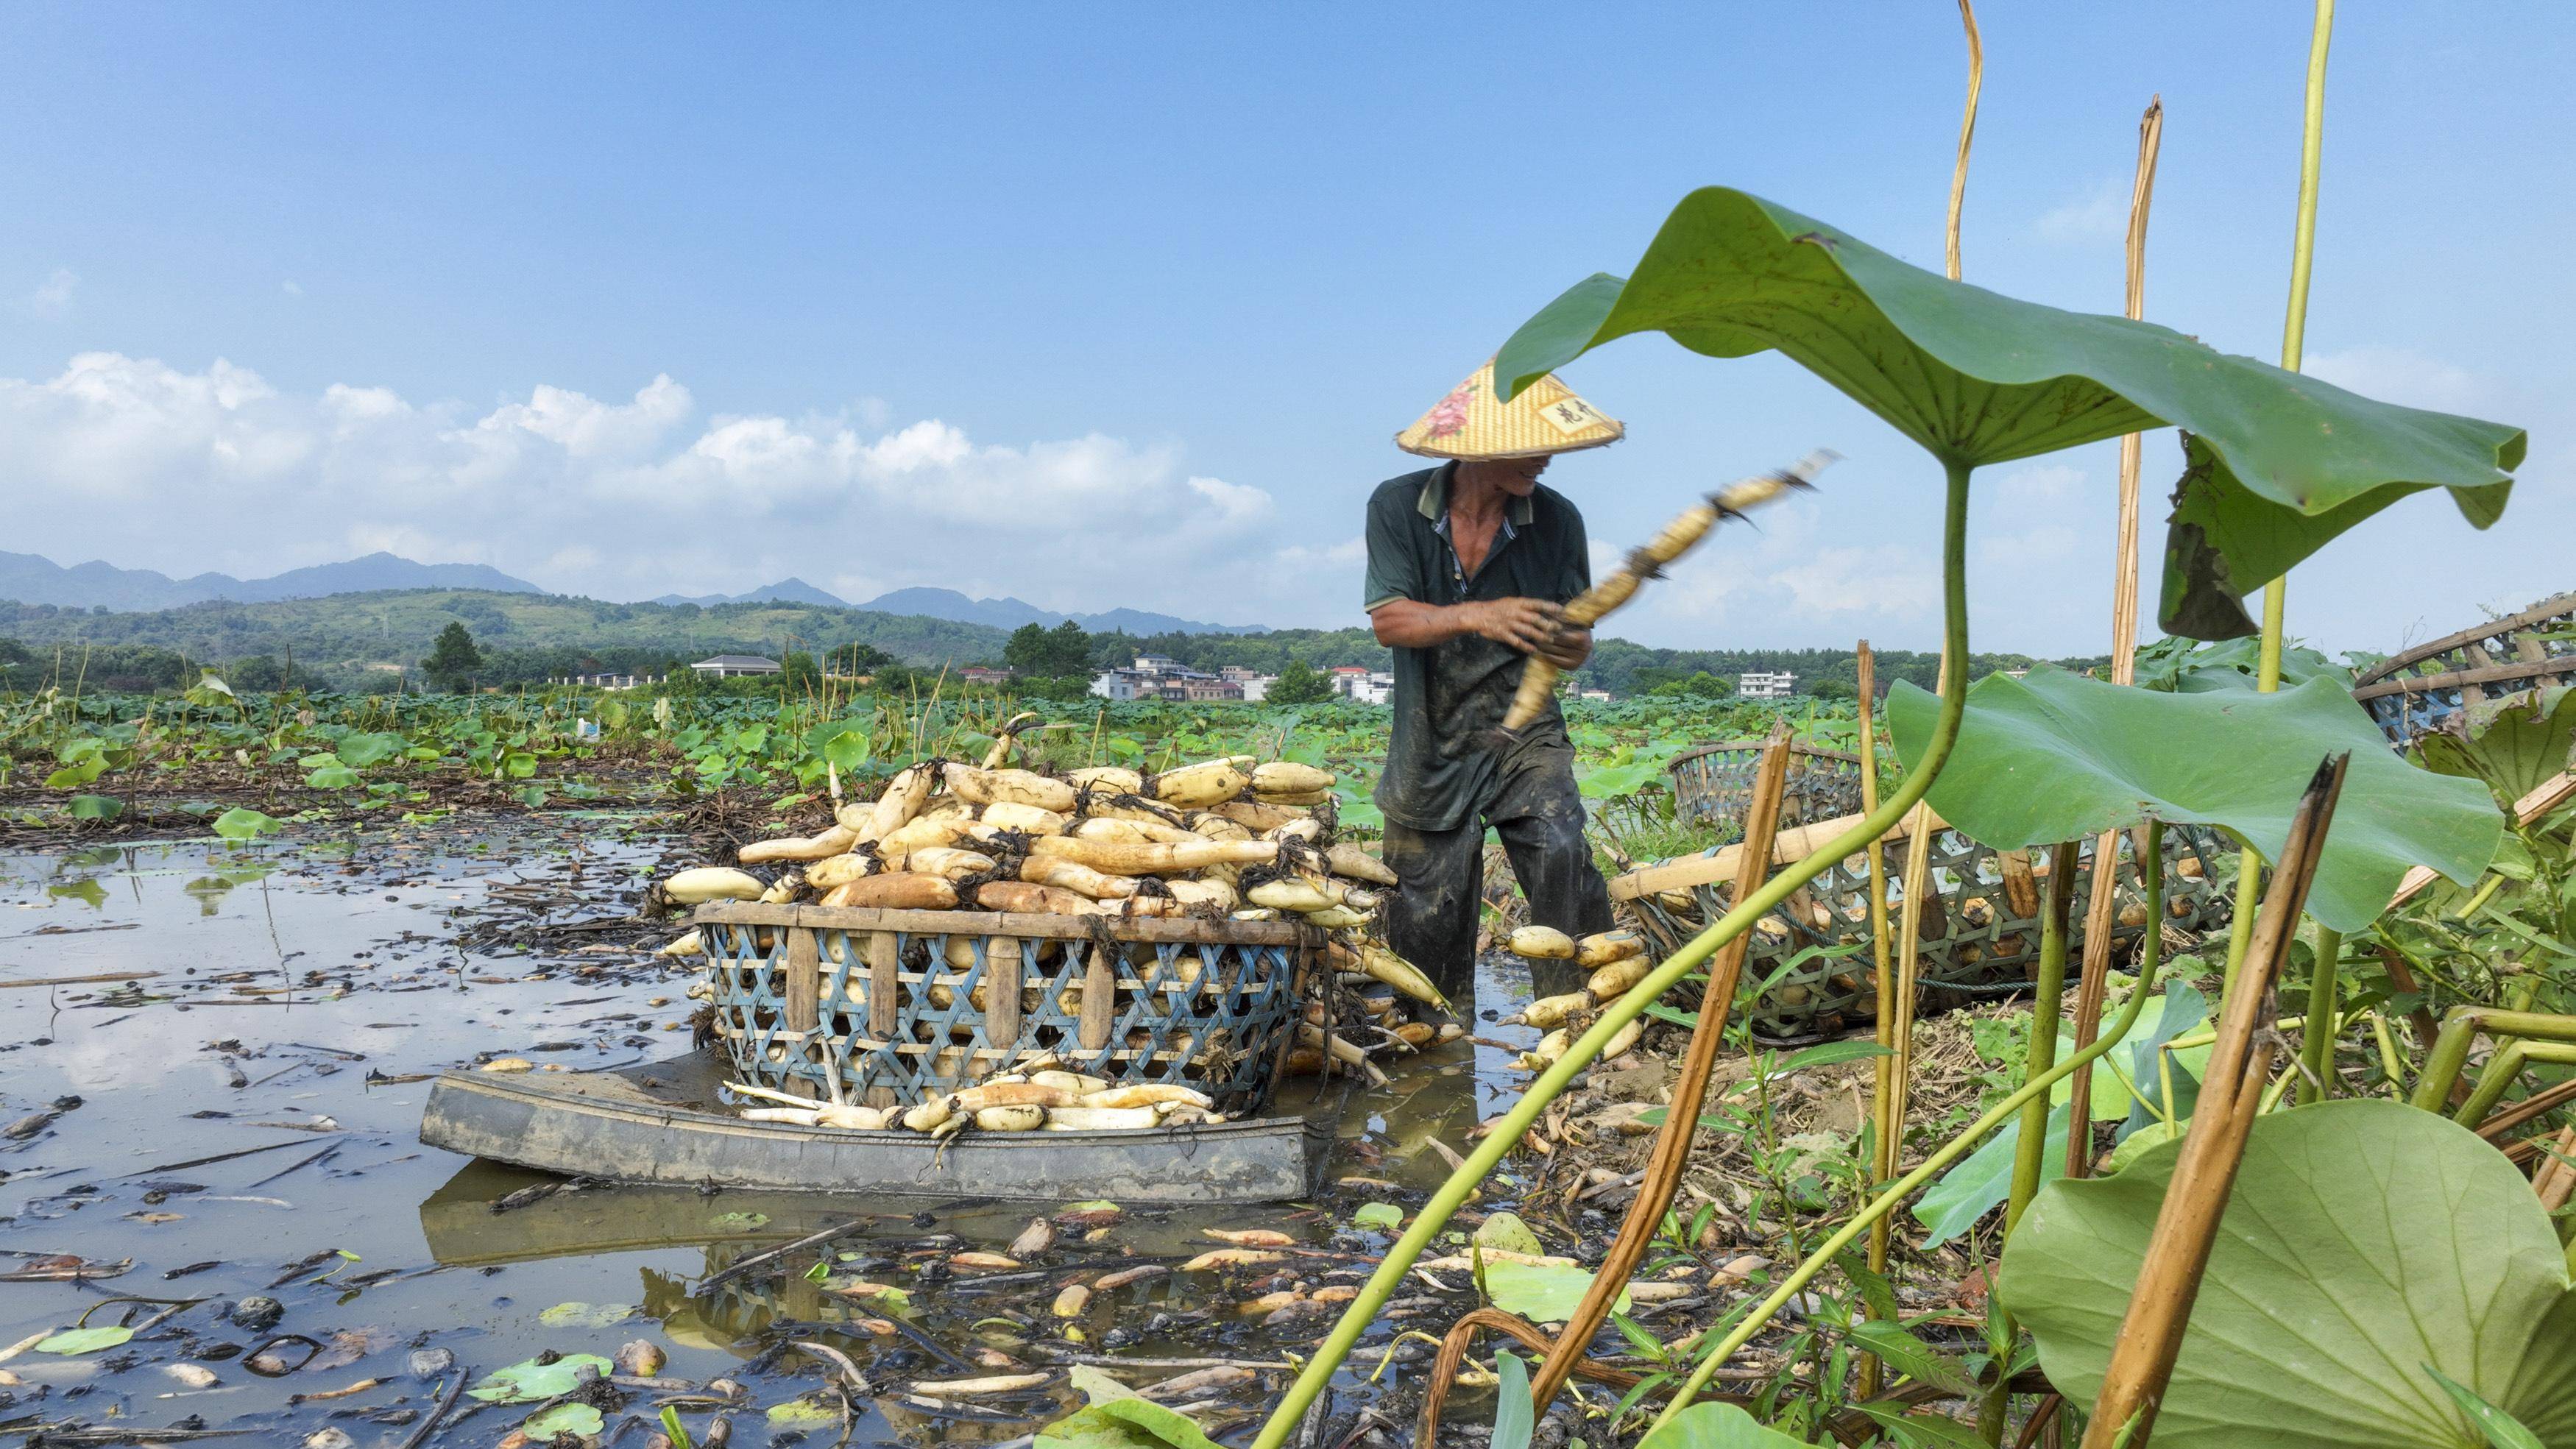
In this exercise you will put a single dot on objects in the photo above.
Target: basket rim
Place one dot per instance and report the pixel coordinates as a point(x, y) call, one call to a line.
point(1795, 747)
point(1012, 923)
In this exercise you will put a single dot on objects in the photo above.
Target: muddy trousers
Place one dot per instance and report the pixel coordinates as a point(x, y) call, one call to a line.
point(1535, 809)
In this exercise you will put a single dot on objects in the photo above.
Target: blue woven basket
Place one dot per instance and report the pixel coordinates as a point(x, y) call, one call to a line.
point(907, 1005)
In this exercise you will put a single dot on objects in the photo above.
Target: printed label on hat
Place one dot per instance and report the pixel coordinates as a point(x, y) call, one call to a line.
point(1572, 415)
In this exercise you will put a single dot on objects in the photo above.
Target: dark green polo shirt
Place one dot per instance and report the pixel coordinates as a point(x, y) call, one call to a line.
point(1436, 776)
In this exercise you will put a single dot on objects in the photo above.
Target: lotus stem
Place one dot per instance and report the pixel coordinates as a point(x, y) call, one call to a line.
point(1887, 1131)
point(2294, 333)
point(1886, 1202)
point(2316, 1048)
point(2460, 1028)
point(2503, 1069)
point(1516, 1123)
point(2051, 987)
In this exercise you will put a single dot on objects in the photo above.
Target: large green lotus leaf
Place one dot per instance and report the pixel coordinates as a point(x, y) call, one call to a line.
point(2057, 756)
point(1717, 1426)
point(2364, 1241)
point(2521, 743)
point(1976, 377)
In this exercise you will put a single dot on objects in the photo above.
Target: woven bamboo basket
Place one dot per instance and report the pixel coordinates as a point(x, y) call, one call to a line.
point(1714, 783)
point(2422, 688)
point(907, 1005)
point(1980, 919)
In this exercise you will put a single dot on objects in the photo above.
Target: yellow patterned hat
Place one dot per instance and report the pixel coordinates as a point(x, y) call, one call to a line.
point(1546, 418)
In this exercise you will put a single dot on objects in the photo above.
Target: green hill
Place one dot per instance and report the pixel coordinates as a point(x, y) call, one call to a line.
point(537, 632)
point(347, 640)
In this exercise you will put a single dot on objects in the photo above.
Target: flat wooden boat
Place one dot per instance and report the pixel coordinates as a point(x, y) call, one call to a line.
point(608, 1126)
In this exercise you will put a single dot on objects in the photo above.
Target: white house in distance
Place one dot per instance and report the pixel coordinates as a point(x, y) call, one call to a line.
point(1157, 676)
point(731, 666)
point(1362, 685)
point(1756, 685)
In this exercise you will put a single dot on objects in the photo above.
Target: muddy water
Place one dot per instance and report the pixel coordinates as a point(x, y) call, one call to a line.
point(296, 979)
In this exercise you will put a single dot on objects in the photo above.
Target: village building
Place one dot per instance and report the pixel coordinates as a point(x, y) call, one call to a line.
point(1157, 676)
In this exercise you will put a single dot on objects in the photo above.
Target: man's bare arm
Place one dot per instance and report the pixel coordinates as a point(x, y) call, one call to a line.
point(1527, 625)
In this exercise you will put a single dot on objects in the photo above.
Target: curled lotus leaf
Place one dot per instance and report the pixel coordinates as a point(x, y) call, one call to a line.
point(2280, 463)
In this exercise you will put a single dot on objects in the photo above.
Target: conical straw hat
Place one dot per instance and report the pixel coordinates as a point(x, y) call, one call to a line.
point(1546, 418)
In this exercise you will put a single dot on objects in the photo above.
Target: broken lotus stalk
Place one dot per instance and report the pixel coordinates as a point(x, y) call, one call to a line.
point(1615, 1017)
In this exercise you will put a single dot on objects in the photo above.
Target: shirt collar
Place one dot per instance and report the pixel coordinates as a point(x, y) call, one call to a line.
point(1434, 501)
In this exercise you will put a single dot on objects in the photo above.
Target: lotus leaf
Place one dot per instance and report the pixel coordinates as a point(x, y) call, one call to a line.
point(243, 823)
point(802, 1413)
point(586, 1315)
point(1979, 1185)
point(84, 1340)
point(2366, 1246)
point(2183, 666)
point(562, 1419)
point(1976, 377)
point(1123, 1424)
point(529, 1381)
point(1540, 1292)
point(1717, 1426)
point(2519, 744)
point(358, 750)
point(1505, 1232)
point(2224, 541)
point(2057, 756)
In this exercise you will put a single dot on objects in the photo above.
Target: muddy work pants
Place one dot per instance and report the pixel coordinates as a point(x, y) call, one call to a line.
point(1534, 807)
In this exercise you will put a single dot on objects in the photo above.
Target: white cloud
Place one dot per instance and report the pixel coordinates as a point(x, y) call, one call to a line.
point(1235, 502)
point(192, 470)
point(1348, 554)
point(586, 427)
point(291, 288)
point(2101, 213)
point(53, 296)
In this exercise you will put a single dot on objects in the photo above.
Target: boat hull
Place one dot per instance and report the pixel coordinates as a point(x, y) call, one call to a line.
point(591, 1126)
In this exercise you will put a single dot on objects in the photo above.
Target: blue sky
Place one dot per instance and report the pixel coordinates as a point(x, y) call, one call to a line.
point(1120, 305)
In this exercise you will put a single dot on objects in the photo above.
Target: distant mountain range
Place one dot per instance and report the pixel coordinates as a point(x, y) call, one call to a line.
point(29, 579)
point(1003, 613)
point(785, 591)
point(32, 580)
point(1010, 613)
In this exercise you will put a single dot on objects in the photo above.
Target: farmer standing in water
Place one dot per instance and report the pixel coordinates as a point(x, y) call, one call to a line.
point(1470, 565)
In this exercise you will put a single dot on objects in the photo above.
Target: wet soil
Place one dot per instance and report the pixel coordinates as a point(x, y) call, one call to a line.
point(241, 1122)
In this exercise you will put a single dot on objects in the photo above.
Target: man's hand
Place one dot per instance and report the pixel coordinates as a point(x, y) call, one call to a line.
point(1528, 625)
point(1568, 648)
